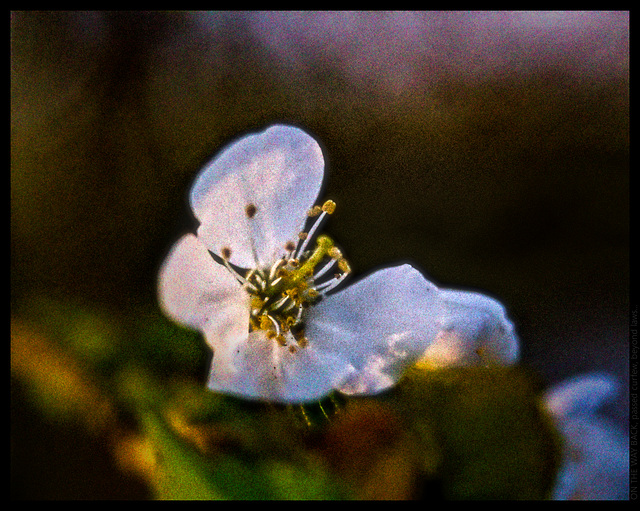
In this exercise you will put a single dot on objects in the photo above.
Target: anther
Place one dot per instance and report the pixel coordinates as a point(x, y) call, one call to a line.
point(250, 210)
point(329, 207)
point(344, 265)
point(314, 211)
point(334, 253)
point(226, 253)
point(290, 246)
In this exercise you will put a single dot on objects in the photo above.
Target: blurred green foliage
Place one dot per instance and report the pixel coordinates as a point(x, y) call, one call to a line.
point(457, 434)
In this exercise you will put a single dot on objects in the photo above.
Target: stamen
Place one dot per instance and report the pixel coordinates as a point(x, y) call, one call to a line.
point(226, 254)
point(314, 211)
point(325, 287)
point(327, 209)
point(325, 268)
point(274, 268)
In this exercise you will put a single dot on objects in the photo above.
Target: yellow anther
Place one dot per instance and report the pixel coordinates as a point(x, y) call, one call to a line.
point(281, 340)
point(329, 207)
point(290, 321)
point(314, 211)
point(344, 265)
point(292, 349)
point(256, 302)
point(334, 253)
point(265, 322)
point(313, 293)
point(302, 341)
point(303, 235)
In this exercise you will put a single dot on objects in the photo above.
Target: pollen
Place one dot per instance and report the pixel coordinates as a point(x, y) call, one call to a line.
point(314, 211)
point(226, 253)
point(334, 253)
point(329, 207)
point(290, 246)
point(265, 322)
point(344, 265)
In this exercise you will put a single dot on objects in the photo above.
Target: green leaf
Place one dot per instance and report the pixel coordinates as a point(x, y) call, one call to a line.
point(491, 437)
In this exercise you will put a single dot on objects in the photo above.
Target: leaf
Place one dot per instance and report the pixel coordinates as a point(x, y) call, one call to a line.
point(493, 439)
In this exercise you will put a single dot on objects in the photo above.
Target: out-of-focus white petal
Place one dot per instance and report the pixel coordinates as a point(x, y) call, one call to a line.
point(473, 329)
point(258, 368)
point(583, 394)
point(278, 172)
point(197, 292)
point(596, 461)
point(376, 327)
point(595, 456)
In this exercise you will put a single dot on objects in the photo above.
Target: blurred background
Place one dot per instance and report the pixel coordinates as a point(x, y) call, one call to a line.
point(491, 149)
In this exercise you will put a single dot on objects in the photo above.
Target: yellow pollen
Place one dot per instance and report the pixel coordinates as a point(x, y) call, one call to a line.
point(265, 322)
point(290, 321)
point(281, 340)
point(334, 253)
point(329, 207)
point(303, 235)
point(344, 265)
point(314, 211)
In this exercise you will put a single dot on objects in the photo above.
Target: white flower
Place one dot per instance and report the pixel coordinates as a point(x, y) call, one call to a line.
point(256, 284)
point(595, 456)
point(473, 329)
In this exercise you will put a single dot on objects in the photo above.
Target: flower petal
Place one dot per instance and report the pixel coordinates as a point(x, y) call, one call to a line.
point(197, 292)
point(583, 394)
point(595, 463)
point(277, 174)
point(473, 328)
point(259, 368)
point(375, 328)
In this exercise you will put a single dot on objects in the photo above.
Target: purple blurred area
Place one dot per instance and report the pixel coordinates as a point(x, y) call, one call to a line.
point(489, 148)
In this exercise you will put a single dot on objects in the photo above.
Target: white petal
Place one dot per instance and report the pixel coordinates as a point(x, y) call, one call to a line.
point(197, 292)
point(595, 462)
point(473, 329)
point(583, 394)
point(279, 172)
point(259, 368)
point(377, 327)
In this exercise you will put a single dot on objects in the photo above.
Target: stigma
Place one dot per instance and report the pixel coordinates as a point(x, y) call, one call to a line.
point(282, 293)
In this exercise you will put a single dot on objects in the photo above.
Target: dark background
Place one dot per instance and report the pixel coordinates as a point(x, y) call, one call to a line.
point(491, 149)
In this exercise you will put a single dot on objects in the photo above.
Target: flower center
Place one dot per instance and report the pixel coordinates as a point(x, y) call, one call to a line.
point(280, 294)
